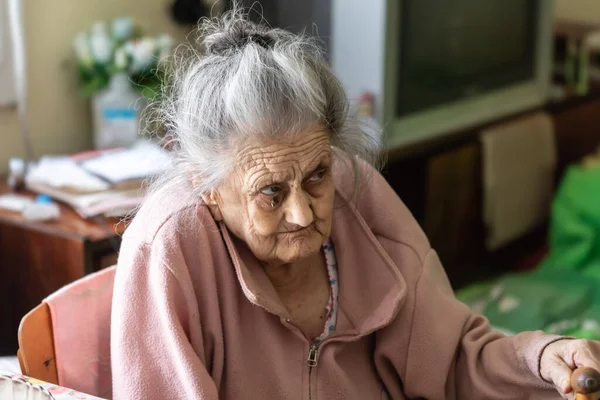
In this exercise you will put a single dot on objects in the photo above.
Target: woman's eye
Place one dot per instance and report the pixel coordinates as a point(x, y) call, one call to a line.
point(270, 190)
point(317, 176)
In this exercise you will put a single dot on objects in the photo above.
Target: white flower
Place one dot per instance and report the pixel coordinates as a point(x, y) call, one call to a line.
point(102, 47)
point(122, 28)
point(121, 59)
point(101, 44)
point(81, 47)
point(128, 47)
point(143, 53)
point(99, 28)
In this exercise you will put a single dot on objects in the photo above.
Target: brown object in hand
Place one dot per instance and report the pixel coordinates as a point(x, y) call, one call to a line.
point(586, 383)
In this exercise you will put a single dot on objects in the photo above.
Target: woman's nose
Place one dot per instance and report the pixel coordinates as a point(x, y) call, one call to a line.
point(298, 210)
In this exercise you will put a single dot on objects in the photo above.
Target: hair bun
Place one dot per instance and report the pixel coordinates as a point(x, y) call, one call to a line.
point(235, 34)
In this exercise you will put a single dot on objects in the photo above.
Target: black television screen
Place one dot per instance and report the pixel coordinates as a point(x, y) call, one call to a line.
point(453, 49)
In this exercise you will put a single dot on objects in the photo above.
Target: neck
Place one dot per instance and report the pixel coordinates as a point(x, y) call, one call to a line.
point(290, 278)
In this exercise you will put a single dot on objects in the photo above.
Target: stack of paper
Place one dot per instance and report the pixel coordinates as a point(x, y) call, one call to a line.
point(117, 166)
point(106, 182)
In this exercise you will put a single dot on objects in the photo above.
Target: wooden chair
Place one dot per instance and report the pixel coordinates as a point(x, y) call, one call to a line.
point(83, 310)
point(36, 345)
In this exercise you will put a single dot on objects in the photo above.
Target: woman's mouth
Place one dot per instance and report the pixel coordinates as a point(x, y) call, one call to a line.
point(299, 231)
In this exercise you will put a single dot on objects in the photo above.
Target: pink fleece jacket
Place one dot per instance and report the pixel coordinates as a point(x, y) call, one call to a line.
point(195, 317)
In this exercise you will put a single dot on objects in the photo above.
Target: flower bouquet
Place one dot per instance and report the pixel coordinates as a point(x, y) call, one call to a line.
point(119, 69)
point(120, 48)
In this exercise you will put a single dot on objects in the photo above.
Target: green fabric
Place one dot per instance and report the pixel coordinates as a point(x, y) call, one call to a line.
point(559, 302)
point(575, 224)
point(562, 295)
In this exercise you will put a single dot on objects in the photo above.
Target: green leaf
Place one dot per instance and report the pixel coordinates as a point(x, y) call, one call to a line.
point(93, 85)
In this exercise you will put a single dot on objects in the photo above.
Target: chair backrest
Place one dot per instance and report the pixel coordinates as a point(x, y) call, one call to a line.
point(66, 339)
point(36, 345)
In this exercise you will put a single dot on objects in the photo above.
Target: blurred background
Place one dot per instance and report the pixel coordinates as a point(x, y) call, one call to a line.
point(489, 111)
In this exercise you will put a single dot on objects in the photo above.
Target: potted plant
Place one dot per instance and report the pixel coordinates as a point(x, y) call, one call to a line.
point(119, 69)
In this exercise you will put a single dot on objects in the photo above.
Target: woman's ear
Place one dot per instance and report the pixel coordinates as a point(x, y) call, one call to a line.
point(211, 199)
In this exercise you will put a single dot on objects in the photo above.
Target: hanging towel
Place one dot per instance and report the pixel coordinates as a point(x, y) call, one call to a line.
point(519, 161)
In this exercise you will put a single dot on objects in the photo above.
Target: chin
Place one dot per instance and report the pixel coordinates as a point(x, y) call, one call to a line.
point(298, 248)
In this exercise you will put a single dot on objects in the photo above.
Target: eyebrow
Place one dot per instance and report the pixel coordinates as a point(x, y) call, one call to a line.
point(324, 160)
point(267, 179)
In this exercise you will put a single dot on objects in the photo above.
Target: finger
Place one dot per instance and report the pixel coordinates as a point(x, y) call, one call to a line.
point(584, 355)
point(559, 373)
point(570, 396)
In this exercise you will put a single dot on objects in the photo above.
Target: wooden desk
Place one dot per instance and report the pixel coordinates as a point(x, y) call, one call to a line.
point(38, 258)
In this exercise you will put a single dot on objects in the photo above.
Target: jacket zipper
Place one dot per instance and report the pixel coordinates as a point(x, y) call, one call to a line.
point(311, 361)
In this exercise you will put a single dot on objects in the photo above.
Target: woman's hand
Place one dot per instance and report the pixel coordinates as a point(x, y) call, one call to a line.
point(560, 358)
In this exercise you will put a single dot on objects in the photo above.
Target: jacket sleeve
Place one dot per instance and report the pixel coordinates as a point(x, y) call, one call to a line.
point(152, 356)
point(454, 354)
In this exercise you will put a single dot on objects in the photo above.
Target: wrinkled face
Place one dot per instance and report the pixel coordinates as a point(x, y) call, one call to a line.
point(279, 198)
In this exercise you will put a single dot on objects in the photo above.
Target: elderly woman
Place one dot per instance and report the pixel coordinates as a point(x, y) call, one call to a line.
point(272, 262)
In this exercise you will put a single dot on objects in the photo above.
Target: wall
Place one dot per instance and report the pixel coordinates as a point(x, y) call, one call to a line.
point(581, 10)
point(59, 118)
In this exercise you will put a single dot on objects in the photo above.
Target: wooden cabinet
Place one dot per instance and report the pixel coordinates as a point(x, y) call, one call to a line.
point(38, 258)
point(577, 131)
point(441, 183)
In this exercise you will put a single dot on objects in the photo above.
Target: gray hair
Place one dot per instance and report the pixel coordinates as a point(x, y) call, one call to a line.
point(249, 82)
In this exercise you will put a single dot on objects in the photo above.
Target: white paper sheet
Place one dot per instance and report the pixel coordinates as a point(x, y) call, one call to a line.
point(62, 172)
point(142, 160)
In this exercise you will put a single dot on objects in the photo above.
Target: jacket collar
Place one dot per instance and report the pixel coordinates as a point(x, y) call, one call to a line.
point(372, 290)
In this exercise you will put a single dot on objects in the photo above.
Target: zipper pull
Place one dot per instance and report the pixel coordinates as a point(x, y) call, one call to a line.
point(311, 361)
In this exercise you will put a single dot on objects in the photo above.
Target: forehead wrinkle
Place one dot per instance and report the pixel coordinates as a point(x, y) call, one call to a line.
point(255, 177)
point(304, 162)
point(264, 176)
point(288, 173)
point(271, 176)
point(278, 162)
point(265, 154)
point(316, 161)
point(316, 157)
